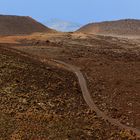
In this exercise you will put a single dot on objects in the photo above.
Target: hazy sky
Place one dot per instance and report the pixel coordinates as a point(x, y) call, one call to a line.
point(82, 11)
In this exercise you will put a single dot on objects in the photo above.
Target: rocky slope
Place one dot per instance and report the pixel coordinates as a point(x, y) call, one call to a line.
point(40, 101)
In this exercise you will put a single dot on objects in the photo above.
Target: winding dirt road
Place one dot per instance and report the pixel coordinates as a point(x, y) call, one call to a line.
point(89, 100)
point(83, 85)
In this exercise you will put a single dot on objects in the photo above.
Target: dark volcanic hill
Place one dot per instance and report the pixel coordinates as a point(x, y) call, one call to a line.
point(119, 27)
point(11, 25)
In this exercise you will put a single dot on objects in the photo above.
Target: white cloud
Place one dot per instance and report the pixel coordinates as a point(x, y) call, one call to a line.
point(61, 25)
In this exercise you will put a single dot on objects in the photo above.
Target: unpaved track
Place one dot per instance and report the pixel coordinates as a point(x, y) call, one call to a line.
point(83, 85)
point(89, 100)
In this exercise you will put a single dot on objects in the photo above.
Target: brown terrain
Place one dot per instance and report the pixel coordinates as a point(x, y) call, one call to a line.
point(128, 27)
point(69, 86)
point(12, 25)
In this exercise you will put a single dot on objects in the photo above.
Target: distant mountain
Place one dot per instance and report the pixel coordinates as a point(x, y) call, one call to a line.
point(11, 25)
point(61, 25)
point(118, 27)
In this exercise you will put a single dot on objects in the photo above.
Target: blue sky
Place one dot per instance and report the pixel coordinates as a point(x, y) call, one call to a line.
point(81, 11)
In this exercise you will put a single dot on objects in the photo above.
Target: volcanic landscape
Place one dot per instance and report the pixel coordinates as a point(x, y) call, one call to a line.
point(82, 85)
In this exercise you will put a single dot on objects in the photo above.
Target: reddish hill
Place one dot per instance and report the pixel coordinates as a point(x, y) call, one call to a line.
point(119, 27)
point(11, 25)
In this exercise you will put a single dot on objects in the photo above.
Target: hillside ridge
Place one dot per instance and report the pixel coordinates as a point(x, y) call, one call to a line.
point(11, 25)
point(117, 27)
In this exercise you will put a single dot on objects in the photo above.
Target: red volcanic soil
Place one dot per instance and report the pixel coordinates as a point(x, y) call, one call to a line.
point(11, 25)
point(120, 27)
point(39, 101)
point(42, 100)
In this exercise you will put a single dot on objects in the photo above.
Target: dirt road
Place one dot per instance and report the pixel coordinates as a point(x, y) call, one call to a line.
point(88, 98)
